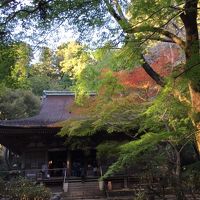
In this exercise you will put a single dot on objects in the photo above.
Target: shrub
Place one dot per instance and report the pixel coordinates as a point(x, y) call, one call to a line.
point(21, 188)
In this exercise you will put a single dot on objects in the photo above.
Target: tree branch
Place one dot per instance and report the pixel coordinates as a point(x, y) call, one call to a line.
point(119, 9)
point(161, 31)
point(13, 15)
point(160, 39)
point(121, 20)
point(185, 71)
point(125, 25)
point(154, 75)
point(5, 3)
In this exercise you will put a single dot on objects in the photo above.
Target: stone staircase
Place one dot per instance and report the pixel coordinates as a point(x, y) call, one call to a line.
point(83, 190)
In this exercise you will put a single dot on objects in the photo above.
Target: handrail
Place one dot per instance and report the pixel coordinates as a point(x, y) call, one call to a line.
point(65, 175)
point(38, 175)
point(59, 169)
point(33, 169)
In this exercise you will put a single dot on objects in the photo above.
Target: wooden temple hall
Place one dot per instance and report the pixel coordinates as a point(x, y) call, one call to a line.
point(33, 145)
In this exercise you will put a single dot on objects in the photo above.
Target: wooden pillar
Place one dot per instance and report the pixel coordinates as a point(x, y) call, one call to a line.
point(23, 161)
point(85, 163)
point(109, 185)
point(125, 182)
point(69, 163)
point(46, 159)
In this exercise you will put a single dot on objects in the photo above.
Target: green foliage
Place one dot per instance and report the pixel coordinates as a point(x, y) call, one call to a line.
point(132, 150)
point(23, 189)
point(147, 12)
point(46, 65)
point(168, 118)
point(140, 195)
point(84, 15)
point(109, 85)
point(165, 120)
point(73, 58)
point(193, 73)
point(46, 57)
point(94, 78)
point(7, 59)
point(15, 104)
point(134, 25)
point(117, 59)
point(87, 81)
point(14, 65)
point(80, 126)
point(16, 71)
point(19, 71)
point(46, 74)
point(108, 152)
point(119, 114)
point(39, 83)
point(83, 143)
point(167, 112)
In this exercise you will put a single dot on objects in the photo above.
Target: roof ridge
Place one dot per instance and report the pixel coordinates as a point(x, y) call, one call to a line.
point(58, 93)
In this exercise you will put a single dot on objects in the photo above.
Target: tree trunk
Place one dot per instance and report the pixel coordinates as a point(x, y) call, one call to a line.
point(154, 75)
point(178, 184)
point(189, 18)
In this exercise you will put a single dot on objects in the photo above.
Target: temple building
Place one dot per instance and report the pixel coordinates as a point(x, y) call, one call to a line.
point(34, 148)
point(35, 139)
point(38, 147)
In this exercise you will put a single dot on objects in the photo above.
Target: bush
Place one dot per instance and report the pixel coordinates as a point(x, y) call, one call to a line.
point(16, 104)
point(21, 188)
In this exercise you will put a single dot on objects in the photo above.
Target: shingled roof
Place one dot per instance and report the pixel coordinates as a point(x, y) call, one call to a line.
point(55, 108)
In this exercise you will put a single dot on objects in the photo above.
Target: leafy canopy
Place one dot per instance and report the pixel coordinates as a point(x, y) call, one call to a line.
point(15, 104)
point(166, 120)
point(15, 59)
point(73, 58)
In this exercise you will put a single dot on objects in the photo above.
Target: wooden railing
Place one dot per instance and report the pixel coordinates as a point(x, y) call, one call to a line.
point(57, 174)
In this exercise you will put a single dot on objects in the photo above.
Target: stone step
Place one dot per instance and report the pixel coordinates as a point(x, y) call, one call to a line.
point(84, 185)
point(85, 193)
point(81, 198)
point(84, 190)
point(80, 192)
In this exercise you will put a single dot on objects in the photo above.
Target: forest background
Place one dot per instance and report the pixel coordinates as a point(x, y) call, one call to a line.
point(157, 105)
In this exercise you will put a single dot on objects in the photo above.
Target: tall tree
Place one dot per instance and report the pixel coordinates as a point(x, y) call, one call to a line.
point(130, 19)
point(19, 70)
point(15, 104)
point(45, 65)
point(45, 74)
point(73, 58)
point(136, 23)
point(15, 59)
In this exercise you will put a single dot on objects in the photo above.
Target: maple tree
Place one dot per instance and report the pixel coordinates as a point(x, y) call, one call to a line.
point(138, 21)
point(155, 112)
point(138, 24)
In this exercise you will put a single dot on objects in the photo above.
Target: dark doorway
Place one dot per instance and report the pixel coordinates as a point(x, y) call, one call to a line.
point(56, 163)
point(83, 163)
point(78, 162)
